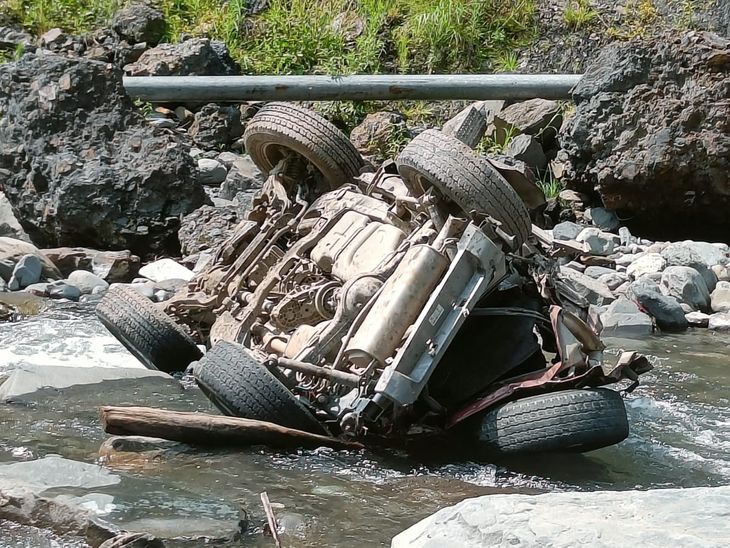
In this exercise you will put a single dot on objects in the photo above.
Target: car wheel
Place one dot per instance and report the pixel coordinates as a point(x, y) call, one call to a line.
point(281, 127)
point(146, 331)
point(567, 421)
point(240, 386)
point(465, 178)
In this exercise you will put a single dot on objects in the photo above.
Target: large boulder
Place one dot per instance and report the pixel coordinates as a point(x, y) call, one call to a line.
point(79, 164)
point(195, 57)
point(651, 134)
point(12, 251)
point(139, 22)
point(207, 227)
point(216, 126)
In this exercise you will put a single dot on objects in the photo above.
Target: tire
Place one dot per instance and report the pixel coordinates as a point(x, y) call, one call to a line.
point(573, 421)
point(281, 126)
point(465, 178)
point(240, 386)
point(146, 331)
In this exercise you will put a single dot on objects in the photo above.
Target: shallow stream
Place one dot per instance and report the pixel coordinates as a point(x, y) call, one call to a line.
point(680, 421)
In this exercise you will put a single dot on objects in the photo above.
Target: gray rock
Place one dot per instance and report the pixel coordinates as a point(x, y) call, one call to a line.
point(527, 148)
point(722, 273)
point(39, 289)
point(566, 230)
point(9, 225)
point(614, 280)
point(61, 289)
point(195, 57)
point(576, 266)
point(719, 321)
point(596, 242)
point(211, 172)
point(165, 269)
point(146, 289)
point(243, 176)
point(538, 117)
point(216, 125)
point(665, 310)
point(687, 286)
point(102, 177)
point(697, 319)
point(680, 254)
point(593, 291)
point(27, 271)
point(376, 134)
point(598, 271)
point(207, 227)
point(139, 22)
point(660, 517)
point(649, 263)
point(626, 259)
point(521, 178)
point(86, 281)
point(603, 218)
point(625, 234)
point(623, 318)
point(720, 297)
point(710, 254)
point(161, 295)
point(111, 266)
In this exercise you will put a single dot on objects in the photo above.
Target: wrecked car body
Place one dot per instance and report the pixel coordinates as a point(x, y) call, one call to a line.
point(381, 305)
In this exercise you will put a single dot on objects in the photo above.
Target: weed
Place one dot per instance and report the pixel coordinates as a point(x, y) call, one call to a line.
point(549, 185)
point(640, 16)
point(497, 142)
point(506, 62)
point(578, 14)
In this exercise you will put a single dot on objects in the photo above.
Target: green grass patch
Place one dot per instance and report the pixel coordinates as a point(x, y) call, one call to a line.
point(578, 14)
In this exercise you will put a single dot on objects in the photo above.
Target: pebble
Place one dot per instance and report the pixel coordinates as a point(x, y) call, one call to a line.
point(719, 321)
point(698, 319)
point(596, 241)
point(211, 172)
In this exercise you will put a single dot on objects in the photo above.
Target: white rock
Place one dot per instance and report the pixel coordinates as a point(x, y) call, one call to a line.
point(596, 241)
point(711, 254)
point(623, 318)
point(613, 280)
point(86, 281)
point(720, 298)
point(721, 272)
point(626, 260)
point(697, 319)
point(166, 269)
point(211, 172)
point(719, 321)
point(646, 264)
point(661, 517)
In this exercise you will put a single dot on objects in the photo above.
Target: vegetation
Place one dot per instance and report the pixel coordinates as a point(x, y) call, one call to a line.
point(578, 14)
point(550, 186)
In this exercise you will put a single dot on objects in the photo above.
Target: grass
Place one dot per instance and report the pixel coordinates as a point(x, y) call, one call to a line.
point(578, 14)
point(550, 186)
point(297, 36)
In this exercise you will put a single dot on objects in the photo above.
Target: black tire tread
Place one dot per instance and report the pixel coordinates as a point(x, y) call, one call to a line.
point(303, 130)
point(147, 332)
point(241, 386)
point(569, 420)
point(466, 178)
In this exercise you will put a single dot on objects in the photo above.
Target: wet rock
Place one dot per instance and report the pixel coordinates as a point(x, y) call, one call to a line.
point(53, 472)
point(211, 172)
point(216, 125)
point(623, 318)
point(207, 227)
point(566, 230)
point(646, 264)
point(87, 282)
point(139, 22)
point(61, 289)
point(596, 242)
point(720, 297)
point(195, 57)
point(647, 109)
point(39, 289)
point(665, 310)
point(11, 251)
point(593, 291)
point(82, 166)
point(604, 219)
point(379, 133)
point(27, 271)
point(165, 269)
point(697, 319)
point(719, 321)
point(526, 148)
point(538, 117)
point(111, 266)
point(687, 286)
point(660, 517)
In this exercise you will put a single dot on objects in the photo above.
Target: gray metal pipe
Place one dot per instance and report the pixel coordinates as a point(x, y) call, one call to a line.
point(195, 89)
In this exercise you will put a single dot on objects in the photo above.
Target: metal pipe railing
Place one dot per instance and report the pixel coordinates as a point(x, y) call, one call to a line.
point(165, 89)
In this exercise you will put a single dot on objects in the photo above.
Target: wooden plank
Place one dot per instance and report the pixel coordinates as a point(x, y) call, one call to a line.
point(205, 429)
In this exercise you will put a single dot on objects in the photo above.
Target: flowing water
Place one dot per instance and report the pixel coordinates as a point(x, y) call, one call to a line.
point(680, 420)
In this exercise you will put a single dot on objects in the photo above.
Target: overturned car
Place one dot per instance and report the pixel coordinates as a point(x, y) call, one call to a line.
point(385, 304)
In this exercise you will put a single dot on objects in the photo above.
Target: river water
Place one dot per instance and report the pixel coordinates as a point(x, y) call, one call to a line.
point(680, 437)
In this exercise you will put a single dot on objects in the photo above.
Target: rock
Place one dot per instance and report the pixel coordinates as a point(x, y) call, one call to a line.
point(613, 281)
point(566, 230)
point(722, 273)
point(83, 166)
point(623, 318)
point(146, 289)
point(86, 281)
point(720, 297)
point(195, 57)
point(719, 321)
point(538, 117)
point(598, 271)
point(659, 517)
point(165, 269)
point(665, 310)
point(27, 271)
point(53, 472)
point(139, 22)
point(133, 540)
point(211, 172)
point(216, 125)
point(111, 266)
point(687, 286)
point(52, 36)
point(243, 176)
point(11, 251)
point(576, 266)
point(207, 227)
point(596, 242)
point(39, 289)
point(604, 219)
point(61, 289)
point(697, 319)
point(651, 134)
point(380, 133)
point(9, 225)
point(527, 148)
point(625, 235)
point(521, 178)
point(710, 254)
point(679, 254)
point(646, 264)
point(593, 291)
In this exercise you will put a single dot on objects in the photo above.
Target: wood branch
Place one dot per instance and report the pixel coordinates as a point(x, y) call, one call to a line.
point(204, 429)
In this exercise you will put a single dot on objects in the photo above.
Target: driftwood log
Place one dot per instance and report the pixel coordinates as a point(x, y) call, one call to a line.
point(210, 430)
